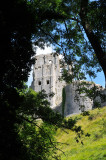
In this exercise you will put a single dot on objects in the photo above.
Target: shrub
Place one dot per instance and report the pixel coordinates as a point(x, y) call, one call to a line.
point(91, 117)
point(85, 113)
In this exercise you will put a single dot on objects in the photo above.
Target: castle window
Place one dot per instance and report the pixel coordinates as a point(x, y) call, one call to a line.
point(47, 81)
point(44, 59)
point(61, 70)
point(55, 60)
point(39, 83)
point(50, 61)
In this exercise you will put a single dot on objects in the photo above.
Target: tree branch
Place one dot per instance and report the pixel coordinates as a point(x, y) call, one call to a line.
point(53, 144)
point(93, 39)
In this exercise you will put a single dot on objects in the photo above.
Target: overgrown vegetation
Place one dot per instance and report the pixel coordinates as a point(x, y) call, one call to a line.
point(94, 145)
point(38, 138)
point(63, 101)
point(37, 124)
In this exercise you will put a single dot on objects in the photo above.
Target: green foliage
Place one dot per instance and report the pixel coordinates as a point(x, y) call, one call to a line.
point(66, 76)
point(97, 9)
point(71, 41)
point(17, 25)
point(37, 136)
point(23, 22)
point(91, 117)
point(85, 113)
point(38, 139)
point(70, 123)
point(94, 92)
point(36, 106)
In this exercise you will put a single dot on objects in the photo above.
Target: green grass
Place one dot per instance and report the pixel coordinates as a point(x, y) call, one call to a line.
point(94, 147)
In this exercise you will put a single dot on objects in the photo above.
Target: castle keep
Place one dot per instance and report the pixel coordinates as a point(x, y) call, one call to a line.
point(46, 73)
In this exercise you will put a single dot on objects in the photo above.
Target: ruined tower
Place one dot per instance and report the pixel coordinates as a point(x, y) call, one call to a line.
point(46, 73)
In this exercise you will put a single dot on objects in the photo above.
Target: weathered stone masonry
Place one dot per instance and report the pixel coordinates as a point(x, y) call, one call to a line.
point(46, 73)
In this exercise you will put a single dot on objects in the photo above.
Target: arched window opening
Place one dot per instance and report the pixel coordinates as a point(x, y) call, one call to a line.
point(39, 83)
point(50, 61)
point(47, 81)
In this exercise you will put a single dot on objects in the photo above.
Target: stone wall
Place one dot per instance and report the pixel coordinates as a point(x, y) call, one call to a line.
point(76, 103)
point(46, 73)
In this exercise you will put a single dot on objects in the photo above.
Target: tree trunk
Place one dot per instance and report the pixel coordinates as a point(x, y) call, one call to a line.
point(100, 54)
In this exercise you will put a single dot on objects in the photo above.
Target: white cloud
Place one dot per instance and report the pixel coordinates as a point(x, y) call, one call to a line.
point(47, 50)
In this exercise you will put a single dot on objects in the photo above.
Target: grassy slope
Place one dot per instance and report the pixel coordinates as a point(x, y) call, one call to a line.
point(94, 147)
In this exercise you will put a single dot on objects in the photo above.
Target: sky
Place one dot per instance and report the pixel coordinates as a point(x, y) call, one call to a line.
point(100, 79)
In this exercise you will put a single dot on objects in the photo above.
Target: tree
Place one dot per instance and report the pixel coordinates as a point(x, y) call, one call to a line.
point(19, 21)
point(59, 22)
point(80, 35)
point(16, 21)
point(36, 130)
point(92, 31)
point(38, 135)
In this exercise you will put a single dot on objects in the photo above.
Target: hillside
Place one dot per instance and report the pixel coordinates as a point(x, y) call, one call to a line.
point(93, 147)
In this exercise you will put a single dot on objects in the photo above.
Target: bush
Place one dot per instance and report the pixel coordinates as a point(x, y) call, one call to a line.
point(85, 113)
point(91, 117)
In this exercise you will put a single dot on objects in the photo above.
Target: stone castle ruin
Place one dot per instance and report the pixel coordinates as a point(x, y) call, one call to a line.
point(46, 73)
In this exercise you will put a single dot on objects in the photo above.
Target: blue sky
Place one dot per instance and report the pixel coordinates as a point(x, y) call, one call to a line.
point(100, 79)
